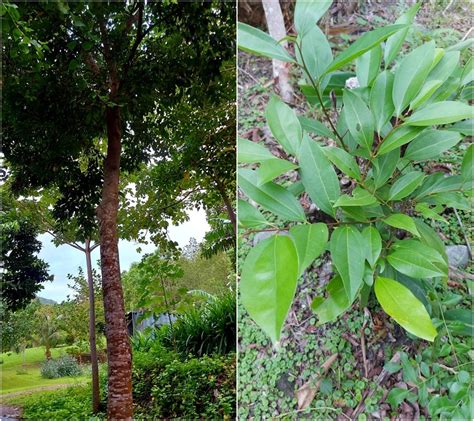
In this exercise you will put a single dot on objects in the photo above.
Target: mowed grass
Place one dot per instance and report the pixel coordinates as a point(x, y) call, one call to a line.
point(15, 377)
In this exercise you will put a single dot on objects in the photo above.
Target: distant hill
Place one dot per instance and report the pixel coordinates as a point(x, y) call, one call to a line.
point(45, 300)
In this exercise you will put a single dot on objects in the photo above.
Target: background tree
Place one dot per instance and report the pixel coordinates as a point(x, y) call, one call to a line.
point(23, 273)
point(99, 78)
point(47, 331)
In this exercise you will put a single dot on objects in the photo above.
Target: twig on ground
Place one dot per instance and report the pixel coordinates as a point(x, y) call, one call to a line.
point(362, 345)
point(468, 245)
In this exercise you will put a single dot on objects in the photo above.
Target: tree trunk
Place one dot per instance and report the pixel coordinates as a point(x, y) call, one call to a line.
point(276, 28)
point(47, 352)
point(119, 402)
point(92, 341)
point(228, 205)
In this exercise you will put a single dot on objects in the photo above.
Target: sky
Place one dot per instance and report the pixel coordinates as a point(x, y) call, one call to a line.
point(66, 259)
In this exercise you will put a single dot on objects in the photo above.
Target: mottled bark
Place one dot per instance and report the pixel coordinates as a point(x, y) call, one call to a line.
point(119, 402)
point(92, 340)
point(276, 28)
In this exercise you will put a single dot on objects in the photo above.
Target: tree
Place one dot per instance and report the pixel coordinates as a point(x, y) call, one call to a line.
point(47, 332)
point(93, 92)
point(23, 272)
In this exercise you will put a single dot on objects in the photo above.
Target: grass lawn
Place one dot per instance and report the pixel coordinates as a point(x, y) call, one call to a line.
point(15, 378)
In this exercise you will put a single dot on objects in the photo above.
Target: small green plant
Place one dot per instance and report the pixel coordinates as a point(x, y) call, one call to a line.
point(61, 367)
point(203, 330)
point(383, 127)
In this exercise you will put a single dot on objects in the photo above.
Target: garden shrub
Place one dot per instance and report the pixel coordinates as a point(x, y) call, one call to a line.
point(73, 403)
point(204, 330)
point(61, 367)
point(370, 189)
point(165, 386)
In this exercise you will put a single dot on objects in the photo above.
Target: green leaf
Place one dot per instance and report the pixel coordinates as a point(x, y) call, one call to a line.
point(396, 396)
point(260, 43)
point(406, 185)
point(430, 144)
point(417, 260)
point(337, 302)
point(439, 183)
point(395, 42)
point(363, 44)
point(430, 238)
point(344, 161)
point(466, 166)
point(360, 197)
point(401, 221)
point(396, 299)
point(436, 78)
point(348, 255)
point(384, 166)
point(249, 216)
point(273, 168)
point(359, 119)
point(467, 73)
point(381, 103)
point(314, 126)
point(438, 113)
point(429, 213)
point(307, 14)
point(310, 241)
point(368, 66)
point(465, 127)
point(318, 176)
point(268, 283)
point(411, 74)
point(373, 243)
point(315, 51)
point(284, 125)
point(271, 197)
point(250, 152)
point(398, 137)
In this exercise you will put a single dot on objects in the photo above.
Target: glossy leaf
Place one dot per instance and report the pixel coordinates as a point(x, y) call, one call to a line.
point(273, 168)
point(381, 103)
point(316, 54)
point(401, 221)
point(465, 127)
point(439, 113)
point(271, 197)
point(384, 166)
point(429, 237)
point(344, 161)
point(334, 305)
point(368, 66)
point(428, 213)
point(310, 241)
point(467, 163)
point(284, 125)
point(249, 216)
point(436, 78)
point(314, 126)
point(468, 73)
point(260, 43)
point(396, 299)
point(363, 44)
point(359, 119)
point(398, 137)
point(308, 12)
point(430, 144)
point(318, 176)
point(406, 185)
point(395, 42)
point(268, 283)
point(250, 152)
point(440, 183)
point(373, 243)
point(360, 197)
point(417, 260)
point(411, 74)
point(348, 255)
